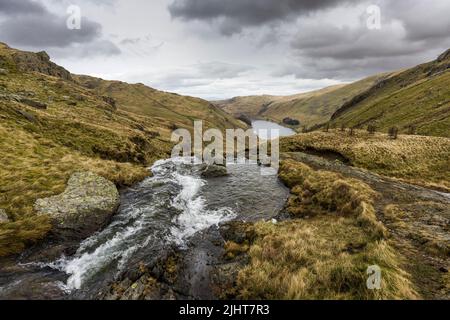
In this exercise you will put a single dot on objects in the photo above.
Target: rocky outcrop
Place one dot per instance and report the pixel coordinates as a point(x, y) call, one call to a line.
point(213, 171)
point(111, 102)
point(291, 122)
point(3, 216)
point(27, 101)
point(83, 208)
point(244, 118)
point(39, 62)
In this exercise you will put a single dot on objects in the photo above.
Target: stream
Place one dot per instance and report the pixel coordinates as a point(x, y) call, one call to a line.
point(162, 211)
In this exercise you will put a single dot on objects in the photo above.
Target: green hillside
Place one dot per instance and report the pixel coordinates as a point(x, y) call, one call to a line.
point(311, 108)
point(416, 100)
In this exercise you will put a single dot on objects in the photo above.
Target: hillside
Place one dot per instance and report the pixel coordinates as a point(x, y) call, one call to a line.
point(52, 123)
point(165, 109)
point(416, 159)
point(311, 108)
point(415, 100)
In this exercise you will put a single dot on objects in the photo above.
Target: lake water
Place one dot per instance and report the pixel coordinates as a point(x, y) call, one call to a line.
point(268, 125)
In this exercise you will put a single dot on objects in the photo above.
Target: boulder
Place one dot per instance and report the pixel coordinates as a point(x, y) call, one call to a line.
point(3, 216)
point(33, 103)
point(3, 72)
point(86, 206)
point(30, 117)
point(213, 171)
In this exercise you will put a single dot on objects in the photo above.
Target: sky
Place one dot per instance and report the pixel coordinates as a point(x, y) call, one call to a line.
point(216, 49)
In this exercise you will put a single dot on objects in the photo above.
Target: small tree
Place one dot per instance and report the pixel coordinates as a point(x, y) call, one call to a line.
point(393, 133)
point(371, 129)
point(327, 128)
point(342, 128)
point(352, 131)
point(411, 130)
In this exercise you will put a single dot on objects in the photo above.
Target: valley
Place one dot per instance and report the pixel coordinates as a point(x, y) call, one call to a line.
point(93, 207)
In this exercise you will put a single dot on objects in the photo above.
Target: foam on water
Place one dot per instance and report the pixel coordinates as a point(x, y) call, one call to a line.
point(132, 228)
point(195, 217)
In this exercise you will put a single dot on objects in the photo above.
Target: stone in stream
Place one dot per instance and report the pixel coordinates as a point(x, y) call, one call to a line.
point(214, 171)
point(3, 216)
point(83, 208)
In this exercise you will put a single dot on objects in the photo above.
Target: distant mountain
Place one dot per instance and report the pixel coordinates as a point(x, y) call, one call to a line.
point(415, 100)
point(309, 109)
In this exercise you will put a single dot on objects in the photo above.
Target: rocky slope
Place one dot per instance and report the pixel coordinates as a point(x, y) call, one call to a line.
point(54, 123)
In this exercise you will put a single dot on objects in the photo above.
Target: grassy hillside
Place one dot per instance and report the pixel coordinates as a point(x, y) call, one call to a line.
point(310, 108)
point(52, 125)
point(250, 106)
point(164, 108)
point(418, 97)
point(317, 107)
point(417, 159)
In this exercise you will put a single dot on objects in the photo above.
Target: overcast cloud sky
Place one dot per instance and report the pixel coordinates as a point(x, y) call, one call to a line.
point(217, 49)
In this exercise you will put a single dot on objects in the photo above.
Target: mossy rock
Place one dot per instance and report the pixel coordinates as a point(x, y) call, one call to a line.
point(83, 208)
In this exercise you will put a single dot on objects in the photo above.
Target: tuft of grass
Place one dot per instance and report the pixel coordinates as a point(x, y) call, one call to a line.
point(321, 258)
point(416, 159)
point(322, 192)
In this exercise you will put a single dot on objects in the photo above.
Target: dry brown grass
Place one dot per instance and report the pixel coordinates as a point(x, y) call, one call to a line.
point(321, 258)
point(34, 168)
point(416, 159)
point(322, 192)
point(326, 254)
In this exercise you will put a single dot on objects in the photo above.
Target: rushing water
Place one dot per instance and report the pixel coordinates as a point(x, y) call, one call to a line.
point(268, 125)
point(164, 210)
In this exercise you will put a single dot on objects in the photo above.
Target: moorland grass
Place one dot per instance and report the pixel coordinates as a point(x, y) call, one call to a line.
point(420, 160)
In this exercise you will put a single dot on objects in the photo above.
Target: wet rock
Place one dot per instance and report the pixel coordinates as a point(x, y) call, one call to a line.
point(83, 208)
point(3, 216)
point(214, 171)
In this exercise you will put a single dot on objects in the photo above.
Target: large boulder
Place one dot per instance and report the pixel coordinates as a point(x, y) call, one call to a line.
point(3, 216)
point(83, 208)
point(213, 171)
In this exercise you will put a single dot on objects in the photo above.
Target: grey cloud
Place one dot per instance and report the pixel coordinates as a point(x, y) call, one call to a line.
point(29, 24)
point(221, 70)
point(233, 15)
point(13, 7)
point(47, 30)
point(411, 33)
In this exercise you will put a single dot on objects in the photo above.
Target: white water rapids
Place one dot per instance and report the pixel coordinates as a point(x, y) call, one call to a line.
point(124, 237)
